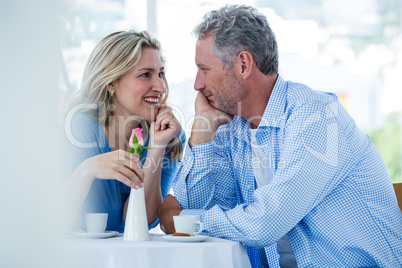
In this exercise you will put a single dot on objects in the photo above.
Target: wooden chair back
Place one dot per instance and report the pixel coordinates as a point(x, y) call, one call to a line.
point(398, 193)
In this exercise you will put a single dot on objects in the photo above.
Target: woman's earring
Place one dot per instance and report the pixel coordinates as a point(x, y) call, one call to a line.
point(110, 106)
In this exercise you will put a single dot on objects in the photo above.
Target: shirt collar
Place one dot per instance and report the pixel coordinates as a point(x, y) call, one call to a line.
point(273, 114)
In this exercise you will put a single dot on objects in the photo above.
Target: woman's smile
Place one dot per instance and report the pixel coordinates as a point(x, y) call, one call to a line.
point(152, 100)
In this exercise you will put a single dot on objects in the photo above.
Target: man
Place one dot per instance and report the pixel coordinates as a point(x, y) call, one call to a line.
point(291, 174)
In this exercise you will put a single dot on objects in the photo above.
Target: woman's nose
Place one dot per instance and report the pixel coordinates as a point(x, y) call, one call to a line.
point(159, 86)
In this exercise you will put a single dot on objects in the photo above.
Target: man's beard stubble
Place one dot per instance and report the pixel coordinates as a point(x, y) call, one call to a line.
point(230, 95)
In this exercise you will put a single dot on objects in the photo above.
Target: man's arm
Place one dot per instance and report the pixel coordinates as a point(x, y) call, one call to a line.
point(169, 208)
point(194, 186)
point(311, 168)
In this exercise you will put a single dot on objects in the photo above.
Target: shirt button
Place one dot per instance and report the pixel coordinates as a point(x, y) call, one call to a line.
point(249, 187)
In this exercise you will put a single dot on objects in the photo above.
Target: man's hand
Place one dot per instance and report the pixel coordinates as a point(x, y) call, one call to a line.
point(167, 210)
point(207, 120)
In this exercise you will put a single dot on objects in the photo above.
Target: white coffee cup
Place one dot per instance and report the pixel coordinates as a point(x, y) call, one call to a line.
point(187, 224)
point(96, 222)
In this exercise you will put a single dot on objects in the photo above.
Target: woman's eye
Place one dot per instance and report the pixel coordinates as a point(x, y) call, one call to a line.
point(145, 75)
point(161, 74)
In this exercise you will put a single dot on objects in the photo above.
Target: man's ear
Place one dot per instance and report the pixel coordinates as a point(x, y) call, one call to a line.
point(245, 62)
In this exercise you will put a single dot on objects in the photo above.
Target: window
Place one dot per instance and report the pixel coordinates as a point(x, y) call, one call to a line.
point(351, 48)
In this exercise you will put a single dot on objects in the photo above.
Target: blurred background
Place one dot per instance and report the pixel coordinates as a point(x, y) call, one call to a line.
point(31, 214)
point(351, 48)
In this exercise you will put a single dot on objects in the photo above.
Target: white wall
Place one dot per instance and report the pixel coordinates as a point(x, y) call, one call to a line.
point(29, 149)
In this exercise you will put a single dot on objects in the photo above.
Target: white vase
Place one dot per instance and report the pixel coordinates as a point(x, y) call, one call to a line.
point(136, 227)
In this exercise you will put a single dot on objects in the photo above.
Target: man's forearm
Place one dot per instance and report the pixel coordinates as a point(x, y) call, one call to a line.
point(202, 131)
point(204, 128)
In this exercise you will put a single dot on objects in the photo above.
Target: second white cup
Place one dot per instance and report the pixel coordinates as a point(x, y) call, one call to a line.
point(187, 224)
point(96, 222)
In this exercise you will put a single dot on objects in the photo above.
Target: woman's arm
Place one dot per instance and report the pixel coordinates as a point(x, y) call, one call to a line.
point(119, 165)
point(152, 185)
point(161, 132)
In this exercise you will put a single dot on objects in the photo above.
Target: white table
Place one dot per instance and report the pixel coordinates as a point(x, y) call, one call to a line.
point(157, 252)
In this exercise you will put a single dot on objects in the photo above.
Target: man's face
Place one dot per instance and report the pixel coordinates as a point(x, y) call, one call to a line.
point(220, 86)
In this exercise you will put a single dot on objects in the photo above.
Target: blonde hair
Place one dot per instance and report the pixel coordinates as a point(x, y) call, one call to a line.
point(113, 57)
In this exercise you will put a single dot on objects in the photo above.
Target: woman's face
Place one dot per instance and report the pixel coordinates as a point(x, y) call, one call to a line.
point(138, 92)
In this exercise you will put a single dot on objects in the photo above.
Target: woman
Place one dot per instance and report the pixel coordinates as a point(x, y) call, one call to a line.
point(123, 87)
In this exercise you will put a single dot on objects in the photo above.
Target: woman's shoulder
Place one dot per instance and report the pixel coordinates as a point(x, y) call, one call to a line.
point(82, 120)
point(81, 139)
point(83, 128)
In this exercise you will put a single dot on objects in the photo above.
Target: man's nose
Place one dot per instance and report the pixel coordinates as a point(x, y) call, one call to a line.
point(199, 83)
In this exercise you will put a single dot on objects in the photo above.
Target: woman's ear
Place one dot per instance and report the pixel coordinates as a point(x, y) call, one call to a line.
point(246, 62)
point(111, 87)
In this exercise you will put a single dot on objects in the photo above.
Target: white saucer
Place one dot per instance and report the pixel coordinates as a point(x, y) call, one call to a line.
point(195, 238)
point(106, 234)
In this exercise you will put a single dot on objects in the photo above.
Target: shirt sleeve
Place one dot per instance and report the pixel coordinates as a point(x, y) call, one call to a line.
point(82, 139)
point(309, 168)
point(205, 178)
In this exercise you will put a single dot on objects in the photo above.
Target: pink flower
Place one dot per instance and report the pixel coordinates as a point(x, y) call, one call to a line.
point(138, 133)
point(137, 142)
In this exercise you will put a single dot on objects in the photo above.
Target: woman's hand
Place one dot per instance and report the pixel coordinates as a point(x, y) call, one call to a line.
point(117, 165)
point(164, 128)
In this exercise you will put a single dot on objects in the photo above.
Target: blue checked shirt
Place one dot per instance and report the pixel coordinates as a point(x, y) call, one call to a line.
point(329, 190)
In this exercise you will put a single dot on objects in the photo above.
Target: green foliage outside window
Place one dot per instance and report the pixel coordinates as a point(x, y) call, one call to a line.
point(388, 142)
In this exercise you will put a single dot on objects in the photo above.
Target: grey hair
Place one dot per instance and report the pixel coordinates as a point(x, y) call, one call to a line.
point(237, 28)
